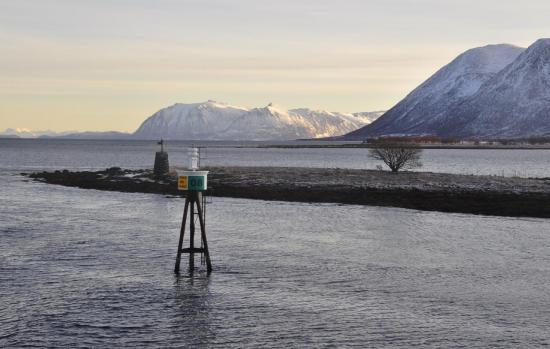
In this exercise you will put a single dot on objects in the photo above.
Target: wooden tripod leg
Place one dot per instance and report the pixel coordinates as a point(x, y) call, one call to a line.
point(193, 200)
point(203, 234)
point(182, 232)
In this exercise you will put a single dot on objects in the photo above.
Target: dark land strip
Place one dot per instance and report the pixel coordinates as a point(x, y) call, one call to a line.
point(486, 195)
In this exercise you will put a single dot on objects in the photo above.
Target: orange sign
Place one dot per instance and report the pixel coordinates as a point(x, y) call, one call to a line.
point(182, 183)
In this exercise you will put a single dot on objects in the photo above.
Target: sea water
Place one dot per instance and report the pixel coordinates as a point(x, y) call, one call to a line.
point(87, 268)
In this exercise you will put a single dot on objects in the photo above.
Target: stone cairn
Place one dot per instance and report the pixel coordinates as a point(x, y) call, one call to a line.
point(161, 168)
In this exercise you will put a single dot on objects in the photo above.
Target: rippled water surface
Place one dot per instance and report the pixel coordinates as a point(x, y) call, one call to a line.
point(85, 268)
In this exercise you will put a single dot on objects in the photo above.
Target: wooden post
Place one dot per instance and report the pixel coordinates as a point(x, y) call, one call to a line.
point(193, 199)
point(182, 232)
point(203, 233)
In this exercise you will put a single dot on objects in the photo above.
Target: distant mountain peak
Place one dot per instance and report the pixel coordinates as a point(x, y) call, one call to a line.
point(514, 103)
point(427, 109)
point(495, 91)
point(543, 42)
point(487, 59)
point(272, 107)
point(213, 120)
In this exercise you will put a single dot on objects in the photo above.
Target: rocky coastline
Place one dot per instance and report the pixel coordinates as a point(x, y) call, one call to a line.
point(486, 195)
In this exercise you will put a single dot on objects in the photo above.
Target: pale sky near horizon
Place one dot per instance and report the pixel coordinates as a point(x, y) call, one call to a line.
point(108, 64)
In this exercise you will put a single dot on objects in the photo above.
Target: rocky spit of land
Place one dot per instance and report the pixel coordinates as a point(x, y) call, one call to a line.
point(488, 195)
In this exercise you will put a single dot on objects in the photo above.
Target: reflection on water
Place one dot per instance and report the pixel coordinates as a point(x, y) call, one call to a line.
point(193, 309)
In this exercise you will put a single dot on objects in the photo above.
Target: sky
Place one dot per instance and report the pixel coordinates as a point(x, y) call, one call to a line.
point(102, 65)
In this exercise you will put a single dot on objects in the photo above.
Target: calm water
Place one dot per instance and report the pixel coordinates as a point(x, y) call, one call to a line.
point(85, 268)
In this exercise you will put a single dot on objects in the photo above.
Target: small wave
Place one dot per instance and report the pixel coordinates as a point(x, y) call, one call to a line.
point(111, 327)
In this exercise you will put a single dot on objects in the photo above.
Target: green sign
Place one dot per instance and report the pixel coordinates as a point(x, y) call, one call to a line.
point(196, 183)
point(192, 183)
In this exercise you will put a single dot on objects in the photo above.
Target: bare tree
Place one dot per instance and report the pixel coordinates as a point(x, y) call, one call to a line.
point(397, 156)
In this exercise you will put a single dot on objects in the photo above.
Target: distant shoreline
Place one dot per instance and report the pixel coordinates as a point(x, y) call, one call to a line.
point(299, 144)
point(486, 195)
point(422, 146)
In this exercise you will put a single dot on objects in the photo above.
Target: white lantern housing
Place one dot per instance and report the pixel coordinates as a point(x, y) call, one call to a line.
point(193, 154)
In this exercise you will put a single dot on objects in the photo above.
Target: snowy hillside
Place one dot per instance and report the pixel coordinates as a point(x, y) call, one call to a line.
point(425, 109)
point(514, 103)
point(219, 121)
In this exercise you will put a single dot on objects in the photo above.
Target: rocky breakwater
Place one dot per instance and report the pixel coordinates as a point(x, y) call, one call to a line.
point(489, 195)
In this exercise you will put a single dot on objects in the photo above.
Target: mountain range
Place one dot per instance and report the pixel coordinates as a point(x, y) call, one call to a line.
point(213, 120)
point(496, 91)
point(26, 133)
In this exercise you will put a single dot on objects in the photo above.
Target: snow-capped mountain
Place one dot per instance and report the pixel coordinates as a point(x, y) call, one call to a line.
point(189, 121)
point(213, 120)
point(26, 133)
point(426, 109)
point(514, 103)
